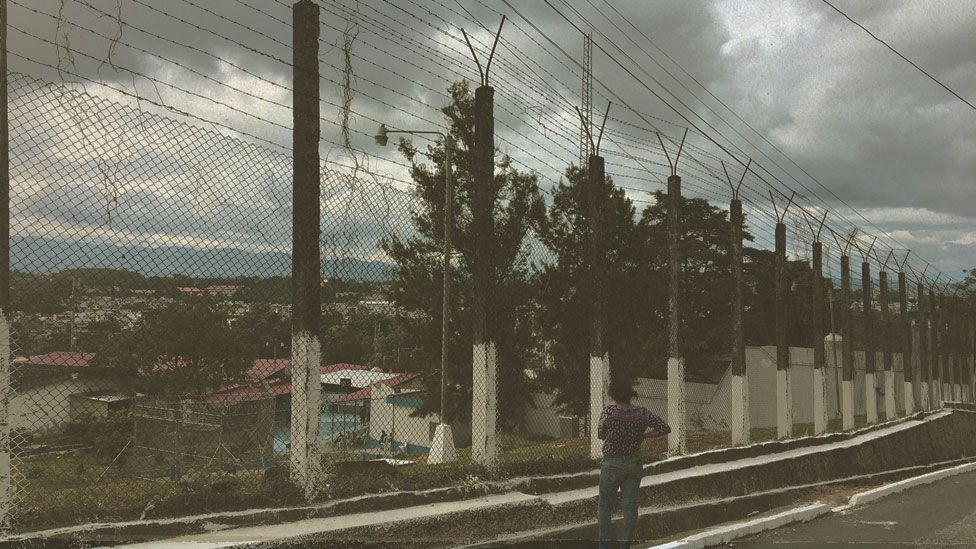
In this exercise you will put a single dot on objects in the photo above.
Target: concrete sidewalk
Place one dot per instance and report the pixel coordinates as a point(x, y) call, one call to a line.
point(569, 500)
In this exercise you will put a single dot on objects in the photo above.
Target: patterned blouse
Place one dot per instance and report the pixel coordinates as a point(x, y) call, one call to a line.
point(622, 429)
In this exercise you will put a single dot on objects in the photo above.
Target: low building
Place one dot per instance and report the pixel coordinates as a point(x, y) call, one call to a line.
point(96, 405)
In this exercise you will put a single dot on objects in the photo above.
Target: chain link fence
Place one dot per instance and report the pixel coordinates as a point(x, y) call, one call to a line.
point(154, 356)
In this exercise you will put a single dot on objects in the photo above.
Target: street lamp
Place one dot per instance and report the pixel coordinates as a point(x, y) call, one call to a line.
point(442, 447)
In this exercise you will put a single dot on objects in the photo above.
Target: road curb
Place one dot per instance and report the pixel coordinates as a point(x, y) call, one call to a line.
point(895, 487)
point(731, 532)
point(726, 534)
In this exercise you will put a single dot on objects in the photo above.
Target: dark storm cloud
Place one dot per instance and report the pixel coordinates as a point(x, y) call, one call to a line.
point(873, 130)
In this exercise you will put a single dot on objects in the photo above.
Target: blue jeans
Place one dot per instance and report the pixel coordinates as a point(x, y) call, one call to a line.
point(624, 474)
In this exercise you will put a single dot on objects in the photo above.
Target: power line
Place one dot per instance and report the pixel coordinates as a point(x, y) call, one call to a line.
point(896, 52)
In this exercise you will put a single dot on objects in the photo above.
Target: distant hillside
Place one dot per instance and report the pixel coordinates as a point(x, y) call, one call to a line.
point(41, 255)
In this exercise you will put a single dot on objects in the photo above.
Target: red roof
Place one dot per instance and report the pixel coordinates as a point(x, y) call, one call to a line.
point(234, 395)
point(61, 359)
point(341, 366)
point(263, 368)
point(366, 392)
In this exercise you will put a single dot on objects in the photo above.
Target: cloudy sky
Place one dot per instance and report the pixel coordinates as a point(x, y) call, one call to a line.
point(819, 106)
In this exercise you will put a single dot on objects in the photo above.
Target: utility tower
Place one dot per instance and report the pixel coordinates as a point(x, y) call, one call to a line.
point(587, 107)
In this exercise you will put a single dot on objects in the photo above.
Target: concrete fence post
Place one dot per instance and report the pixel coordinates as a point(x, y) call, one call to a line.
point(907, 331)
point(599, 354)
point(935, 362)
point(971, 354)
point(957, 349)
point(818, 343)
point(677, 439)
point(922, 331)
point(784, 398)
point(740, 383)
point(306, 280)
point(484, 377)
point(847, 345)
point(870, 387)
point(6, 487)
point(891, 410)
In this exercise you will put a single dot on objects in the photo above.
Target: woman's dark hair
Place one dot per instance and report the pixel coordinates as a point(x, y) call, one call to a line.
point(621, 391)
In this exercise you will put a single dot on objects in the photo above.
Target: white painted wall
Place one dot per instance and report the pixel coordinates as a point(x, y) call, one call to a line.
point(709, 405)
point(386, 416)
point(48, 406)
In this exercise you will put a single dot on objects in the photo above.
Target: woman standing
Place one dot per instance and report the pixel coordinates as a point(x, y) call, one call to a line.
point(622, 428)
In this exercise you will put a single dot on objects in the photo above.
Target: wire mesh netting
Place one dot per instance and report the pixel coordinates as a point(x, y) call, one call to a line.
point(157, 366)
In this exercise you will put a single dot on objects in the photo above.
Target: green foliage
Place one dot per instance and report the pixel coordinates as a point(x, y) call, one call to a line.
point(516, 205)
point(267, 333)
point(564, 304)
point(187, 347)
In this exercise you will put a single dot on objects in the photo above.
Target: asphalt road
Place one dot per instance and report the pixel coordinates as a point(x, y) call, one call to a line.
point(941, 514)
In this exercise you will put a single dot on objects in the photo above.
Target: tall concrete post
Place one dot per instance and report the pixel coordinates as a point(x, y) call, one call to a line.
point(935, 361)
point(484, 398)
point(907, 331)
point(891, 410)
point(943, 348)
point(784, 398)
point(599, 353)
point(305, 277)
point(847, 345)
point(5, 446)
point(971, 354)
point(816, 320)
point(957, 350)
point(740, 383)
point(870, 387)
point(677, 441)
point(922, 329)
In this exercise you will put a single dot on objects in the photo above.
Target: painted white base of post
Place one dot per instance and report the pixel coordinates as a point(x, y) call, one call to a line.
point(740, 411)
point(847, 404)
point(909, 398)
point(599, 383)
point(442, 447)
point(677, 439)
point(870, 398)
point(926, 394)
point(784, 405)
point(819, 401)
point(946, 392)
point(957, 392)
point(891, 409)
point(6, 487)
point(484, 404)
point(305, 411)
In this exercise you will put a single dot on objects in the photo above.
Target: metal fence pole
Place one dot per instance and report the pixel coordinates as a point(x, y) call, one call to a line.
point(484, 360)
point(907, 330)
point(740, 381)
point(784, 398)
point(599, 357)
point(867, 305)
point(442, 445)
point(847, 345)
point(5, 445)
point(306, 310)
point(677, 439)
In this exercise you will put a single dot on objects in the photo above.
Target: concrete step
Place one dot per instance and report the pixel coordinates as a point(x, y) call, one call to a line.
point(444, 517)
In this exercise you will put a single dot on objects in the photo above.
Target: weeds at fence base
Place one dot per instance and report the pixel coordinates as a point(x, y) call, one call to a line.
point(120, 494)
